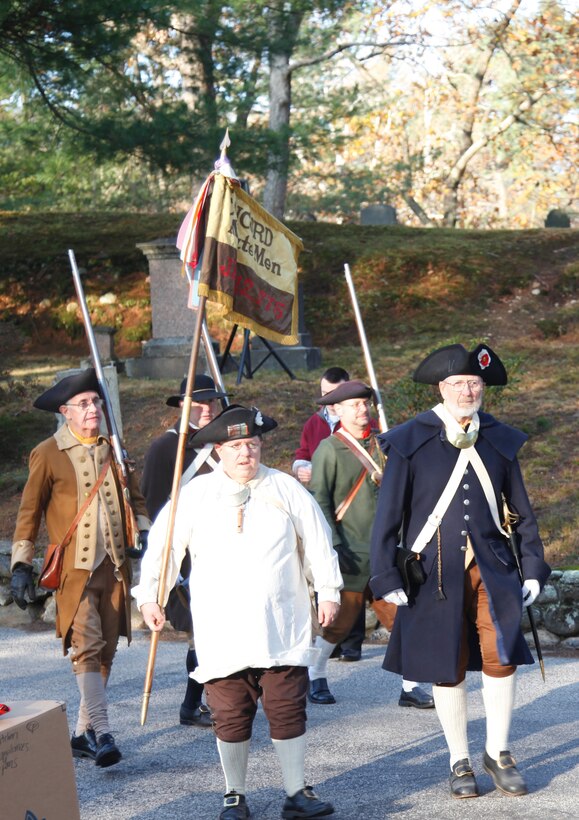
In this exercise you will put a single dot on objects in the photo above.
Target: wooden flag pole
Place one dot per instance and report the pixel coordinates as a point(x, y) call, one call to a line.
point(183, 433)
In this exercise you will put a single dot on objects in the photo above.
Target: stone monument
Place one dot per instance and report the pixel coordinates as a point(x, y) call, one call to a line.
point(166, 355)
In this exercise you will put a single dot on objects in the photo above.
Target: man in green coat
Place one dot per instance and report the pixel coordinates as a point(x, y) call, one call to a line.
point(346, 472)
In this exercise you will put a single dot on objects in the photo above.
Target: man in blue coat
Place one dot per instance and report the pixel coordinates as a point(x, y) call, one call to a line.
point(447, 474)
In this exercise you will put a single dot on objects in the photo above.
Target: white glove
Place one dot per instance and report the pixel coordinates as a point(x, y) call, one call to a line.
point(530, 590)
point(397, 596)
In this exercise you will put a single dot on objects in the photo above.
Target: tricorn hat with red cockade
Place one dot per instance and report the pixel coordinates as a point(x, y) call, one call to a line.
point(456, 360)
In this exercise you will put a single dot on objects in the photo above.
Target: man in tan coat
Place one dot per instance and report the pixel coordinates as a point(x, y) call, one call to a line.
point(93, 599)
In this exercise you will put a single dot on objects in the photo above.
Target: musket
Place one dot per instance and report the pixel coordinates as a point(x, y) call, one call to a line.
point(120, 455)
point(510, 519)
point(366, 350)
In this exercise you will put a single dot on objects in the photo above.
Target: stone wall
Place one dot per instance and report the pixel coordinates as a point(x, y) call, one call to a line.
point(556, 610)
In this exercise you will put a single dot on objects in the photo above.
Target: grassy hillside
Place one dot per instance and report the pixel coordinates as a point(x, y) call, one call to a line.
point(417, 288)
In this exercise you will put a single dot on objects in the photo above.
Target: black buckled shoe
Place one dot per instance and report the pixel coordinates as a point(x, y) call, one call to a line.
point(199, 716)
point(234, 807)
point(462, 780)
point(417, 697)
point(350, 656)
point(318, 692)
point(107, 751)
point(305, 804)
point(505, 774)
point(84, 745)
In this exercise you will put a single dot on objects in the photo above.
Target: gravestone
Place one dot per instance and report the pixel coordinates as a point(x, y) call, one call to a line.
point(104, 336)
point(378, 215)
point(557, 219)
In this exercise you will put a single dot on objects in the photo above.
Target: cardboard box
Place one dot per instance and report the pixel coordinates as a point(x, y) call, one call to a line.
point(36, 769)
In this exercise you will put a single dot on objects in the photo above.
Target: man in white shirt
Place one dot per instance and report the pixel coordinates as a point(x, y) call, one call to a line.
point(259, 536)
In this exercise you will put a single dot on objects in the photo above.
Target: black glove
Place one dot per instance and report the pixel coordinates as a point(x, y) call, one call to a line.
point(348, 560)
point(22, 582)
point(132, 552)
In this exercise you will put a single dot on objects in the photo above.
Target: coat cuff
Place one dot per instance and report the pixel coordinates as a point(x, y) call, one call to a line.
point(329, 594)
point(22, 552)
point(143, 523)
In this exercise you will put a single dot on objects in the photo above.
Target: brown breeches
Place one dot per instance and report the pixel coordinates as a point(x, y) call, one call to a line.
point(95, 630)
point(476, 611)
point(233, 702)
point(350, 605)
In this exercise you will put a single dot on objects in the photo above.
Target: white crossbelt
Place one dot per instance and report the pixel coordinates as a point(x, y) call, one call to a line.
point(467, 456)
point(203, 456)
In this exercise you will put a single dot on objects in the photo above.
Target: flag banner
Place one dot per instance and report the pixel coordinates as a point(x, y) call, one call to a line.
point(249, 263)
point(190, 237)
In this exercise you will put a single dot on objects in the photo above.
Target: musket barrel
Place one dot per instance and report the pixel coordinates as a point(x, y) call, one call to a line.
point(94, 352)
point(366, 349)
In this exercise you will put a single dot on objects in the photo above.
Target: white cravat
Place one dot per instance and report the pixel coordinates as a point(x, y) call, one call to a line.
point(455, 434)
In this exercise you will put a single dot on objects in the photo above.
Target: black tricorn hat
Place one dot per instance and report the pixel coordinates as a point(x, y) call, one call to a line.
point(66, 388)
point(455, 360)
point(354, 389)
point(235, 422)
point(203, 390)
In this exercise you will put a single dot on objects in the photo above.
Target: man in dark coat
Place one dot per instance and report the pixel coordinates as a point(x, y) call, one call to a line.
point(93, 603)
point(467, 613)
point(156, 485)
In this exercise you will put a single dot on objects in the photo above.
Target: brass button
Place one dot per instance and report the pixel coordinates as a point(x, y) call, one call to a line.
point(466, 502)
point(463, 548)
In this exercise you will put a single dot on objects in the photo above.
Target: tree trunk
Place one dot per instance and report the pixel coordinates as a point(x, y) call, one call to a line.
point(274, 195)
point(284, 27)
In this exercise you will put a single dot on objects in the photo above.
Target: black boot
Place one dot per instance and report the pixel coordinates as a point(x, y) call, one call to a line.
point(193, 712)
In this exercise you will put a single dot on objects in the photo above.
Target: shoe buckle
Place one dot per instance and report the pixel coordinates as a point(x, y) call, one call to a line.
point(231, 800)
point(506, 761)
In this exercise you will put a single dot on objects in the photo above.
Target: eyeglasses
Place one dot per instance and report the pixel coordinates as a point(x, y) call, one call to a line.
point(357, 405)
point(238, 446)
point(458, 387)
point(86, 403)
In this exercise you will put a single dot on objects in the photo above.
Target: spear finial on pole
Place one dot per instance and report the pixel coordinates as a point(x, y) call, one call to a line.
point(223, 165)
